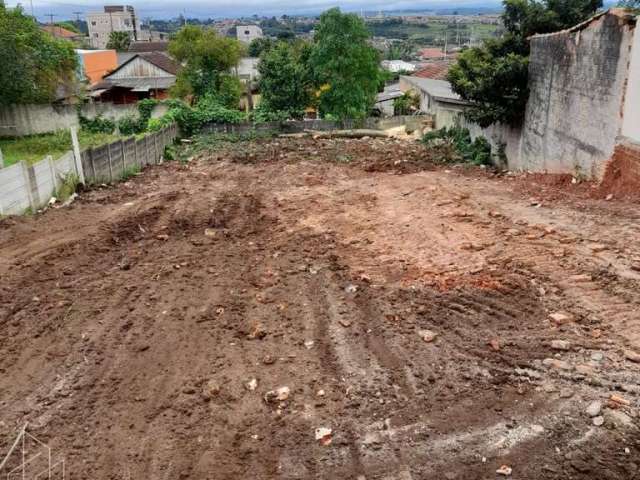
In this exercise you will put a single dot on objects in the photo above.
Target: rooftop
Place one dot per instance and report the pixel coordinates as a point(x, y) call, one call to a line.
point(438, 89)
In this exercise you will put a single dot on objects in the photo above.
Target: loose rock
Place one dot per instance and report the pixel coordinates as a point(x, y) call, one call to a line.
point(279, 395)
point(598, 421)
point(560, 345)
point(594, 408)
point(504, 470)
point(632, 356)
point(324, 435)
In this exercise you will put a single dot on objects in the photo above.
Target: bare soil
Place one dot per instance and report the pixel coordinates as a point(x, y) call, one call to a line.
point(133, 322)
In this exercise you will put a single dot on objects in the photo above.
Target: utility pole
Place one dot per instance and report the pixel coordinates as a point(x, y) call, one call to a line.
point(51, 15)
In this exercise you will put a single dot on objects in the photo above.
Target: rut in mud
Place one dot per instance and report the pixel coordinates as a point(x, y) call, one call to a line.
point(142, 328)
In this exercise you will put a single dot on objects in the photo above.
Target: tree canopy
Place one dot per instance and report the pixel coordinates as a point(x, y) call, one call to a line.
point(34, 63)
point(494, 76)
point(344, 65)
point(284, 79)
point(119, 41)
point(207, 60)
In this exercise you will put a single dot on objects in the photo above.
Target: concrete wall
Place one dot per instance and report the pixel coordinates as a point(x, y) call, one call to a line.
point(631, 115)
point(19, 120)
point(577, 83)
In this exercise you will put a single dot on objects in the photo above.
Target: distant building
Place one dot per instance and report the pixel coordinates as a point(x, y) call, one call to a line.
point(248, 33)
point(436, 70)
point(93, 65)
point(247, 68)
point(115, 18)
point(396, 66)
point(149, 46)
point(385, 100)
point(432, 54)
point(145, 75)
point(436, 98)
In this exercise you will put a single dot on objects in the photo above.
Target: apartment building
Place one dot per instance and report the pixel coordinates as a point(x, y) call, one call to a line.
point(116, 18)
point(248, 33)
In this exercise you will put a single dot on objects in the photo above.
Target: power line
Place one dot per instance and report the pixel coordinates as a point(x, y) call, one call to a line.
point(51, 15)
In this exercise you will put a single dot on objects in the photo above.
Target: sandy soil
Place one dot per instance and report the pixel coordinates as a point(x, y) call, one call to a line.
point(144, 328)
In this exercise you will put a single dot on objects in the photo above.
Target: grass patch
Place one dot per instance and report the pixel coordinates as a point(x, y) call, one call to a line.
point(34, 148)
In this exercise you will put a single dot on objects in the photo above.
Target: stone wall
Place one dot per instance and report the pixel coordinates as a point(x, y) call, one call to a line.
point(577, 83)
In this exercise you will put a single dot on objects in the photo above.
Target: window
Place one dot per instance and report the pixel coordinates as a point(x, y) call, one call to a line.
point(93, 23)
point(247, 32)
point(127, 22)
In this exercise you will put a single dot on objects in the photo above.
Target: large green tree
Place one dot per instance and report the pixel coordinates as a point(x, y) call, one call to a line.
point(34, 63)
point(344, 65)
point(119, 41)
point(494, 76)
point(207, 59)
point(284, 80)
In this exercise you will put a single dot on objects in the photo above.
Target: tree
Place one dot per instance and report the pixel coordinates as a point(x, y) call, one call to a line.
point(284, 80)
point(119, 41)
point(494, 76)
point(34, 63)
point(260, 45)
point(207, 60)
point(344, 65)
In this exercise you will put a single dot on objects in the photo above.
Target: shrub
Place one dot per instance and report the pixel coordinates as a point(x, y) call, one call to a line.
point(128, 125)
point(477, 151)
point(97, 125)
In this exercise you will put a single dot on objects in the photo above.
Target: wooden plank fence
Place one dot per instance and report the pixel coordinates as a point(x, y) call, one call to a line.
point(29, 187)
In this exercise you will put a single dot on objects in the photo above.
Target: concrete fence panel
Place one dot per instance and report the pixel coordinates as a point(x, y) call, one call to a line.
point(14, 196)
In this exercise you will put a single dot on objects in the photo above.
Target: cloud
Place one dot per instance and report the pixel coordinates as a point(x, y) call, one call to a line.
point(233, 8)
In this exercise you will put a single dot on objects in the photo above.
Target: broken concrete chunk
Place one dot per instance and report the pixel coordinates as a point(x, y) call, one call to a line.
point(251, 385)
point(560, 345)
point(279, 395)
point(427, 335)
point(504, 470)
point(560, 318)
point(324, 435)
point(594, 408)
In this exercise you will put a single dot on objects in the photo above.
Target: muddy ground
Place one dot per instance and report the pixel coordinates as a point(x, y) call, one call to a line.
point(143, 328)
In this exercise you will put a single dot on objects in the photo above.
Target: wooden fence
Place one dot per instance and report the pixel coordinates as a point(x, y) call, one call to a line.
point(26, 187)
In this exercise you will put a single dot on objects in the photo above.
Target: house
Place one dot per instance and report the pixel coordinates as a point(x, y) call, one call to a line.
point(93, 65)
point(115, 18)
point(396, 66)
point(432, 54)
point(436, 98)
point(384, 100)
point(145, 75)
point(248, 33)
point(436, 70)
point(247, 69)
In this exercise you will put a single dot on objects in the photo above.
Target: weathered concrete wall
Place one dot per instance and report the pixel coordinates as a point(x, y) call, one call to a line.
point(577, 83)
point(631, 116)
point(505, 141)
point(19, 120)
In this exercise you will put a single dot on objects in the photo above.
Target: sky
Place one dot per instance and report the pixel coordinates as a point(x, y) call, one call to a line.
point(163, 9)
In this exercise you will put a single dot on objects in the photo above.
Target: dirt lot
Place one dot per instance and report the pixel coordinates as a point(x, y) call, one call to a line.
point(144, 328)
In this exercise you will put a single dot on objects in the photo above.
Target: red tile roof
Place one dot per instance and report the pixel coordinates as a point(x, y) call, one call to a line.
point(436, 71)
point(431, 53)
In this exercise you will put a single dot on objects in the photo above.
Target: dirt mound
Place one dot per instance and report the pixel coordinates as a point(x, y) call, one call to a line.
point(622, 173)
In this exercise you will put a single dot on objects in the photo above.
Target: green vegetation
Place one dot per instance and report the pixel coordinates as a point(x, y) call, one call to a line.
point(344, 66)
point(68, 187)
point(457, 146)
point(207, 59)
point(260, 45)
point(284, 82)
point(406, 104)
point(34, 63)
point(35, 147)
point(432, 33)
point(494, 77)
point(119, 41)
point(213, 142)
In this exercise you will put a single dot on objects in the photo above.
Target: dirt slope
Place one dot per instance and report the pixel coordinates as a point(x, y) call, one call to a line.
point(133, 324)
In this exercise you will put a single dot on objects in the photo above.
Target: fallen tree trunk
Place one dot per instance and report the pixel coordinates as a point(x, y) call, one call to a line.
point(359, 133)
